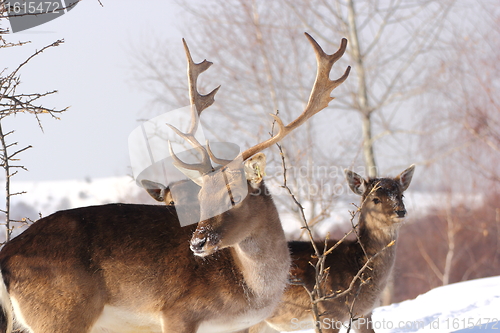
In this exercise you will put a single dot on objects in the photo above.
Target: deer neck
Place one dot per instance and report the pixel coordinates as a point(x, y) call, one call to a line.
point(263, 257)
point(376, 237)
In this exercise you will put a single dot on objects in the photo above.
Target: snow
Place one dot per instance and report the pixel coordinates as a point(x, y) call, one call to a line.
point(465, 307)
point(47, 197)
point(449, 308)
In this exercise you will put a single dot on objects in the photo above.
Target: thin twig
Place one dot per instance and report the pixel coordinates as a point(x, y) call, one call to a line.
point(319, 267)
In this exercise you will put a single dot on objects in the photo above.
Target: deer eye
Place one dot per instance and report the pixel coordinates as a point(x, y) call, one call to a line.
point(376, 201)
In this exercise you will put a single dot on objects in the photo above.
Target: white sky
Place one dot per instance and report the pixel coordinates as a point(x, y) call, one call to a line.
point(92, 72)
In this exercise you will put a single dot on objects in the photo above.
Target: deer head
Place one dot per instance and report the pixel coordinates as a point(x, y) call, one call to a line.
point(226, 211)
point(382, 198)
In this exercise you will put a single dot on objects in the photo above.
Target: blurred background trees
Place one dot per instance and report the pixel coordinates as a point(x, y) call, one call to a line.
point(460, 239)
point(264, 65)
point(424, 89)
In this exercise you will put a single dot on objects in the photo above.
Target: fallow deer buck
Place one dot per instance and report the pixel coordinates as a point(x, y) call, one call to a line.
point(359, 269)
point(127, 268)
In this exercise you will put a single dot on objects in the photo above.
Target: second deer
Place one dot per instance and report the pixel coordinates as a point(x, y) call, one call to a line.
point(371, 254)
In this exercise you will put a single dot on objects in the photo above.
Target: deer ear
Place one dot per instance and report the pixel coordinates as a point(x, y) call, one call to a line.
point(355, 181)
point(156, 190)
point(254, 169)
point(404, 177)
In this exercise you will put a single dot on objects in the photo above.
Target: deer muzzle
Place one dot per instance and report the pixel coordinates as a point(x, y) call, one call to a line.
point(203, 243)
point(197, 245)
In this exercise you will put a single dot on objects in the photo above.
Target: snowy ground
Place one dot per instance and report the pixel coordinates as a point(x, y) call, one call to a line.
point(465, 307)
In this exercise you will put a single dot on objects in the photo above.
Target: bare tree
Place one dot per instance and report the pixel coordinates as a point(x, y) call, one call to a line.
point(462, 150)
point(12, 102)
point(389, 44)
point(463, 134)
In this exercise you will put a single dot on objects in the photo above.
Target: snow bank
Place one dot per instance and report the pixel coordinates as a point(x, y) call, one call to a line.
point(451, 308)
point(465, 307)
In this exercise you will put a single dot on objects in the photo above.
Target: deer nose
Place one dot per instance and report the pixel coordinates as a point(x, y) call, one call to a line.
point(401, 213)
point(197, 244)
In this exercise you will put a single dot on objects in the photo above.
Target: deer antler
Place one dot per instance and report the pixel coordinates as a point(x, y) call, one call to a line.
point(193, 71)
point(214, 158)
point(199, 103)
point(318, 100)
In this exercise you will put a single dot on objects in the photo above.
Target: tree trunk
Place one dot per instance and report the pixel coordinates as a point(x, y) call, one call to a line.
point(369, 157)
point(362, 95)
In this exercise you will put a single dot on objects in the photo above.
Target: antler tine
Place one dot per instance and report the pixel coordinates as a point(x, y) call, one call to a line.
point(202, 167)
point(198, 103)
point(201, 102)
point(193, 71)
point(217, 160)
point(318, 100)
point(323, 86)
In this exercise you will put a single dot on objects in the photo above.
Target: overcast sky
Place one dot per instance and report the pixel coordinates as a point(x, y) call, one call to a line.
point(92, 72)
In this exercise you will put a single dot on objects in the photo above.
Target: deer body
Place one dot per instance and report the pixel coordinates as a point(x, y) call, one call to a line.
point(147, 277)
point(381, 213)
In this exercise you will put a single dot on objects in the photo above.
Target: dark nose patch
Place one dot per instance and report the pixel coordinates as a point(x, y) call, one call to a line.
point(401, 213)
point(197, 244)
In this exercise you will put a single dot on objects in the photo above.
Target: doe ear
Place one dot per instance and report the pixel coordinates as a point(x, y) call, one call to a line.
point(156, 190)
point(355, 181)
point(254, 169)
point(404, 177)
